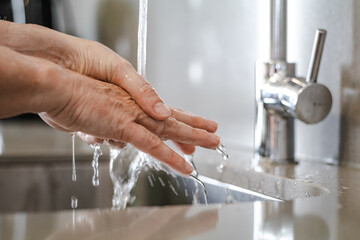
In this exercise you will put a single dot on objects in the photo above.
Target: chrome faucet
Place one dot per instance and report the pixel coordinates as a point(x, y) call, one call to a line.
point(281, 97)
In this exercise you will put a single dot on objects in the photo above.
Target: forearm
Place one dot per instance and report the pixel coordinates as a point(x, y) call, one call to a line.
point(76, 54)
point(38, 41)
point(25, 84)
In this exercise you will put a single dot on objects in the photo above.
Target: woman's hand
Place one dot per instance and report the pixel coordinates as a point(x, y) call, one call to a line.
point(108, 112)
point(96, 61)
point(72, 102)
point(85, 57)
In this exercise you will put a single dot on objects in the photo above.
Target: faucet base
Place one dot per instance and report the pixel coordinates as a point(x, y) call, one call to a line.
point(274, 133)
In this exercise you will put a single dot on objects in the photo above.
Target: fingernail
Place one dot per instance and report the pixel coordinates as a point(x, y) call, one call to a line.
point(216, 140)
point(213, 124)
point(162, 110)
point(188, 168)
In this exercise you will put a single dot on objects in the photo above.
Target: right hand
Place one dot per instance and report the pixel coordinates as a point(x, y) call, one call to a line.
point(106, 111)
point(98, 62)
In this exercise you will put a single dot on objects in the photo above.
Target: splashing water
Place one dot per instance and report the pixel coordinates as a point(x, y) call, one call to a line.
point(125, 167)
point(73, 175)
point(221, 149)
point(95, 164)
point(229, 197)
point(190, 159)
point(194, 175)
point(161, 181)
point(172, 188)
point(126, 164)
point(196, 194)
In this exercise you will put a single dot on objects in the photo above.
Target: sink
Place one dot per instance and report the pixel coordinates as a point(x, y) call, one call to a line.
point(35, 184)
point(45, 185)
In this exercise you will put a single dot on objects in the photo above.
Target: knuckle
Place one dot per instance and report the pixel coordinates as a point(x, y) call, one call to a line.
point(147, 89)
point(125, 65)
point(169, 125)
point(122, 135)
point(199, 133)
point(172, 158)
point(196, 121)
point(154, 142)
point(49, 71)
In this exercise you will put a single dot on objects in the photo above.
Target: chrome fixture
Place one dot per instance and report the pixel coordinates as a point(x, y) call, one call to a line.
point(281, 97)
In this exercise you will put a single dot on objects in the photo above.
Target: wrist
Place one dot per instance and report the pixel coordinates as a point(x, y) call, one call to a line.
point(38, 41)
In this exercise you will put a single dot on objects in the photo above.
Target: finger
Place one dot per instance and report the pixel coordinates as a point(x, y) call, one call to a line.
point(151, 144)
point(180, 132)
point(142, 92)
point(185, 148)
point(194, 121)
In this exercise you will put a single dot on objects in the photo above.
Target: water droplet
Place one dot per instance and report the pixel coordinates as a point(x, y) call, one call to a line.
point(150, 181)
point(221, 149)
point(172, 188)
point(73, 174)
point(186, 192)
point(161, 181)
point(190, 159)
point(74, 202)
point(95, 164)
point(220, 168)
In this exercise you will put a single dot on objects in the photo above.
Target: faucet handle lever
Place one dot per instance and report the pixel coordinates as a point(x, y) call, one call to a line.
point(315, 59)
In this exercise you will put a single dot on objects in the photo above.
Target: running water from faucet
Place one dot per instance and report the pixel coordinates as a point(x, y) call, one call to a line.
point(126, 164)
point(142, 36)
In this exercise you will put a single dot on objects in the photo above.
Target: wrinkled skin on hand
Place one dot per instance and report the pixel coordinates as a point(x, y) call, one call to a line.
point(108, 112)
point(88, 88)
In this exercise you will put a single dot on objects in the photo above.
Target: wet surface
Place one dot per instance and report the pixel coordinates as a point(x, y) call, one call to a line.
point(321, 201)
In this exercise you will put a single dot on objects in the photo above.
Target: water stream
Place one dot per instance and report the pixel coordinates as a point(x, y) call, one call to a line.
point(196, 194)
point(126, 164)
point(74, 205)
point(125, 167)
point(221, 149)
point(95, 164)
point(73, 174)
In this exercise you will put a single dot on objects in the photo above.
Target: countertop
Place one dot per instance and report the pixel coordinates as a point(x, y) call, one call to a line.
point(331, 211)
